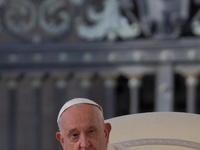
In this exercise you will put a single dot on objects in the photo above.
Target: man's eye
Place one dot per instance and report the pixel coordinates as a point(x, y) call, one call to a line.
point(75, 135)
point(91, 131)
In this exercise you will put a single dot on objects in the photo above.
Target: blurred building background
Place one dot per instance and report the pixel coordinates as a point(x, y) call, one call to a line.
point(130, 56)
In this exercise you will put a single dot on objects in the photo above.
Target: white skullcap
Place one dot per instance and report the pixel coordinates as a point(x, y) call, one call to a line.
point(77, 101)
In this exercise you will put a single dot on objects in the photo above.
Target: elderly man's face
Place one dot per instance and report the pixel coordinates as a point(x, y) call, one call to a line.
point(82, 128)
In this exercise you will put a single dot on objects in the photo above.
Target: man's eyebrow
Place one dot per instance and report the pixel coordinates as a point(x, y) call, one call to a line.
point(75, 129)
point(72, 130)
point(92, 127)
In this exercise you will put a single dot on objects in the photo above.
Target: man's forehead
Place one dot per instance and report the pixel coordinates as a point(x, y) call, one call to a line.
point(80, 116)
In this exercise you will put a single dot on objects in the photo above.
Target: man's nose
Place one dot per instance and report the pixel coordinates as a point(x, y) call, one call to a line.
point(84, 142)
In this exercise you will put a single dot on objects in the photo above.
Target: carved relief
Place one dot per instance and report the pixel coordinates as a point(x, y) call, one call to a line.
point(161, 18)
point(53, 18)
point(36, 21)
point(20, 16)
point(195, 25)
point(109, 23)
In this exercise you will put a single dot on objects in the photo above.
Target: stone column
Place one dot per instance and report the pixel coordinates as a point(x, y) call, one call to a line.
point(164, 88)
point(49, 104)
point(26, 116)
point(73, 87)
point(61, 84)
point(134, 85)
point(191, 83)
point(85, 83)
point(4, 115)
point(12, 85)
point(37, 83)
point(110, 100)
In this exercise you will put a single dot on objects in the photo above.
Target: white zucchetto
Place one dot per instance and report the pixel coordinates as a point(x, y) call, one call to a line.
point(77, 101)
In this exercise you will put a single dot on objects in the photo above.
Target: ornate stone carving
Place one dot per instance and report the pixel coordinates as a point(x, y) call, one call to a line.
point(50, 18)
point(38, 21)
point(162, 19)
point(195, 25)
point(109, 23)
point(20, 16)
point(53, 19)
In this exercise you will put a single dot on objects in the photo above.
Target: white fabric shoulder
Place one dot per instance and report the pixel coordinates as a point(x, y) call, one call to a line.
point(115, 147)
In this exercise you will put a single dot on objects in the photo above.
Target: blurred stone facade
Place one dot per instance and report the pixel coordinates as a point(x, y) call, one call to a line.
point(130, 56)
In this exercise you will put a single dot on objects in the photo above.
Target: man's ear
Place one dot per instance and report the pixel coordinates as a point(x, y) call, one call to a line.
point(60, 138)
point(107, 129)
